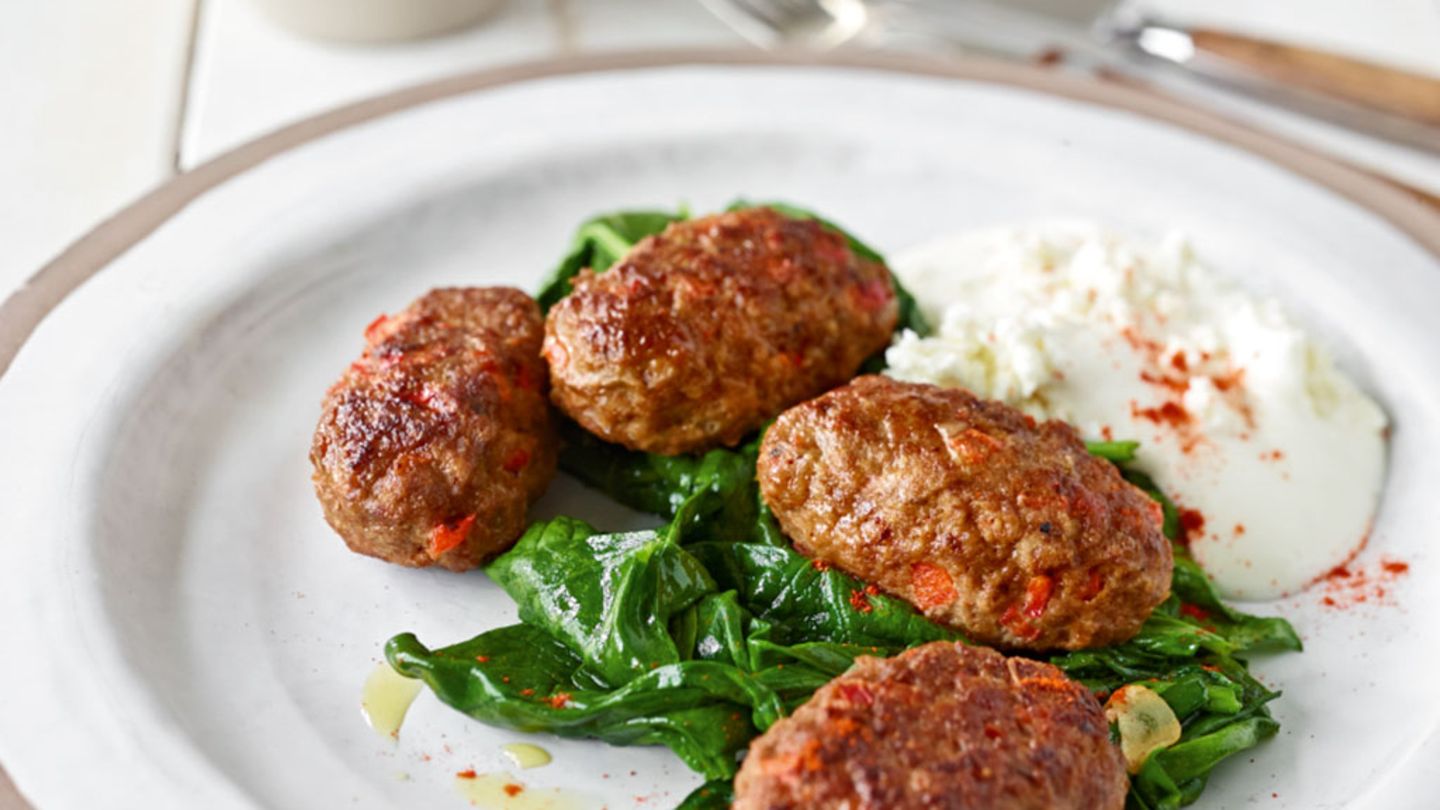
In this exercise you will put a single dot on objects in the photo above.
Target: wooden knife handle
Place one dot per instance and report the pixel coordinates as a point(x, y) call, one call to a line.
point(1398, 92)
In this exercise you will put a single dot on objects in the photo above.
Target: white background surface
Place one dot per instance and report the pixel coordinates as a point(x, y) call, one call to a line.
point(216, 632)
point(103, 100)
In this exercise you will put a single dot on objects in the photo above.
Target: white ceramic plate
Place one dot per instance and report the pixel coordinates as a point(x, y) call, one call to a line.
point(183, 630)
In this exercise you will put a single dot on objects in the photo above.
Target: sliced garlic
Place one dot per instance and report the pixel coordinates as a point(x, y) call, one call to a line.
point(1145, 721)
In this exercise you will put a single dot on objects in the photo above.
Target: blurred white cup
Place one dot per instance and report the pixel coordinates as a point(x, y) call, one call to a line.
point(375, 20)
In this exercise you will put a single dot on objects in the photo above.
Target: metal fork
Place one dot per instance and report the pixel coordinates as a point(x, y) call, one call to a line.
point(986, 28)
point(821, 24)
point(1093, 38)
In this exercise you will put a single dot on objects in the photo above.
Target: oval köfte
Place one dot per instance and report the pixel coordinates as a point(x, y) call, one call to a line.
point(983, 519)
point(433, 445)
point(701, 334)
point(942, 725)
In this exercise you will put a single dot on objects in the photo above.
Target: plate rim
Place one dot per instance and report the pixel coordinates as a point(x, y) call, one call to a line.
point(22, 312)
point(24, 309)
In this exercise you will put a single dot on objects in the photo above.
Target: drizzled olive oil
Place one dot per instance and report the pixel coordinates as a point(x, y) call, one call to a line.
point(385, 699)
point(502, 791)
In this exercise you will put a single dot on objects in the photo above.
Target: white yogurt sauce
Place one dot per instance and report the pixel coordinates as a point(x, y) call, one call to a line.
point(1242, 417)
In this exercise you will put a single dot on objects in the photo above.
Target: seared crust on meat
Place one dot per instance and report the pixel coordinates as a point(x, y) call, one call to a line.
point(984, 520)
point(939, 726)
point(434, 443)
point(702, 333)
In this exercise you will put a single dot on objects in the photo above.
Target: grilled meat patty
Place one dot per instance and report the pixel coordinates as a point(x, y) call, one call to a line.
point(434, 443)
point(984, 520)
point(939, 726)
point(701, 334)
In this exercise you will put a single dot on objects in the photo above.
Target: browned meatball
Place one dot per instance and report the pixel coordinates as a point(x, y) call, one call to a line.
point(434, 443)
point(939, 726)
point(702, 333)
point(984, 520)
